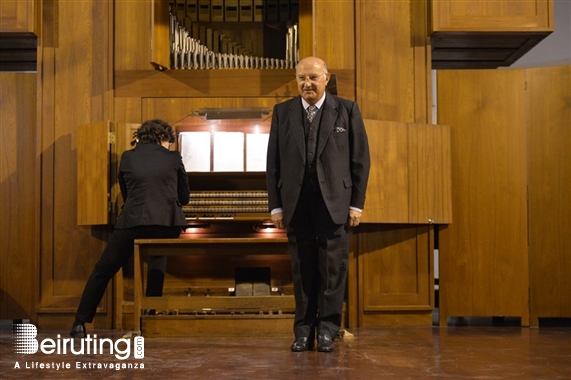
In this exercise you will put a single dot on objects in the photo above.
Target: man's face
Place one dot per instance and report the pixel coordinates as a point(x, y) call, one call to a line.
point(312, 78)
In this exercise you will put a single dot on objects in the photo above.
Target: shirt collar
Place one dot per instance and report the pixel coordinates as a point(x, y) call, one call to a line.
point(318, 104)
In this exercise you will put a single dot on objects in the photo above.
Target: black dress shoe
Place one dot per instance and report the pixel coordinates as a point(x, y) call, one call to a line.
point(78, 331)
point(302, 344)
point(325, 343)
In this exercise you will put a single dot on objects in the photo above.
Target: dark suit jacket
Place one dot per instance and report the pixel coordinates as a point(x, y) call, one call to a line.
point(342, 159)
point(154, 185)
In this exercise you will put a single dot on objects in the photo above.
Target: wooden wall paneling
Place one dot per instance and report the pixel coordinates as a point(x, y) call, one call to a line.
point(346, 84)
point(483, 254)
point(388, 188)
point(392, 74)
point(102, 92)
point(19, 195)
point(171, 109)
point(430, 199)
point(73, 108)
point(93, 176)
point(122, 137)
point(18, 16)
point(205, 83)
point(395, 275)
point(160, 49)
point(123, 134)
point(306, 28)
point(334, 38)
point(72, 95)
point(549, 161)
point(133, 34)
point(127, 110)
point(421, 52)
point(47, 105)
point(492, 16)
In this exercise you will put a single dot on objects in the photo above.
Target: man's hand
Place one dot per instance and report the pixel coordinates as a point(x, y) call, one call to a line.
point(278, 220)
point(354, 218)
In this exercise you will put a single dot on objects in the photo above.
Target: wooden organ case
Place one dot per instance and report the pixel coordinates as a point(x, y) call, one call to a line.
point(230, 272)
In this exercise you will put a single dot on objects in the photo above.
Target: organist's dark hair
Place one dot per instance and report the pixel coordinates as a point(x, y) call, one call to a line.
point(154, 132)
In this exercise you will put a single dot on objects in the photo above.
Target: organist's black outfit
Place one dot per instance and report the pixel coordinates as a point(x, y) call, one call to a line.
point(154, 185)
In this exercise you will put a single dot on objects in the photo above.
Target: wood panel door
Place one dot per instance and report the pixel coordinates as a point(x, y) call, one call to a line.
point(93, 173)
point(429, 176)
point(386, 199)
point(409, 180)
point(395, 271)
point(483, 254)
point(492, 16)
point(99, 149)
point(549, 144)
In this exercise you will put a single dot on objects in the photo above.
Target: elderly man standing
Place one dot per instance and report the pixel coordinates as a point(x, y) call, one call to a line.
point(317, 173)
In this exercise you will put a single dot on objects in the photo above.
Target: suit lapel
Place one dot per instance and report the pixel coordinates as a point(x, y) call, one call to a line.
point(328, 116)
point(295, 120)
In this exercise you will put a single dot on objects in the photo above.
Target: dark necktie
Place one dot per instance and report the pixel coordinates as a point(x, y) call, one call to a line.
point(311, 110)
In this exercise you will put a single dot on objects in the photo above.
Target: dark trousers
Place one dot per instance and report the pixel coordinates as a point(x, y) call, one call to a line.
point(115, 255)
point(320, 251)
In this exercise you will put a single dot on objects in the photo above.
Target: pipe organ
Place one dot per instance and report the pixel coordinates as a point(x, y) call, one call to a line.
point(222, 35)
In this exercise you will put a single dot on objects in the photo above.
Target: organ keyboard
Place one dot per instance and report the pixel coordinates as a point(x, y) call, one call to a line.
point(227, 205)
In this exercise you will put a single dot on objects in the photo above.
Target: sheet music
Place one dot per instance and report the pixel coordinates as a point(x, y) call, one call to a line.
point(256, 151)
point(228, 151)
point(195, 151)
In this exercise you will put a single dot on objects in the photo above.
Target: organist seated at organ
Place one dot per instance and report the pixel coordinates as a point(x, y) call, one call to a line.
point(154, 186)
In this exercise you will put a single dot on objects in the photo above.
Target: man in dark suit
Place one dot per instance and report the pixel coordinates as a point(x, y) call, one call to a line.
point(317, 173)
point(154, 186)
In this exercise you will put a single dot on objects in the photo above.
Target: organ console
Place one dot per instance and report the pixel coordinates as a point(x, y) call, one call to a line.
point(231, 266)
point(221, 195)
